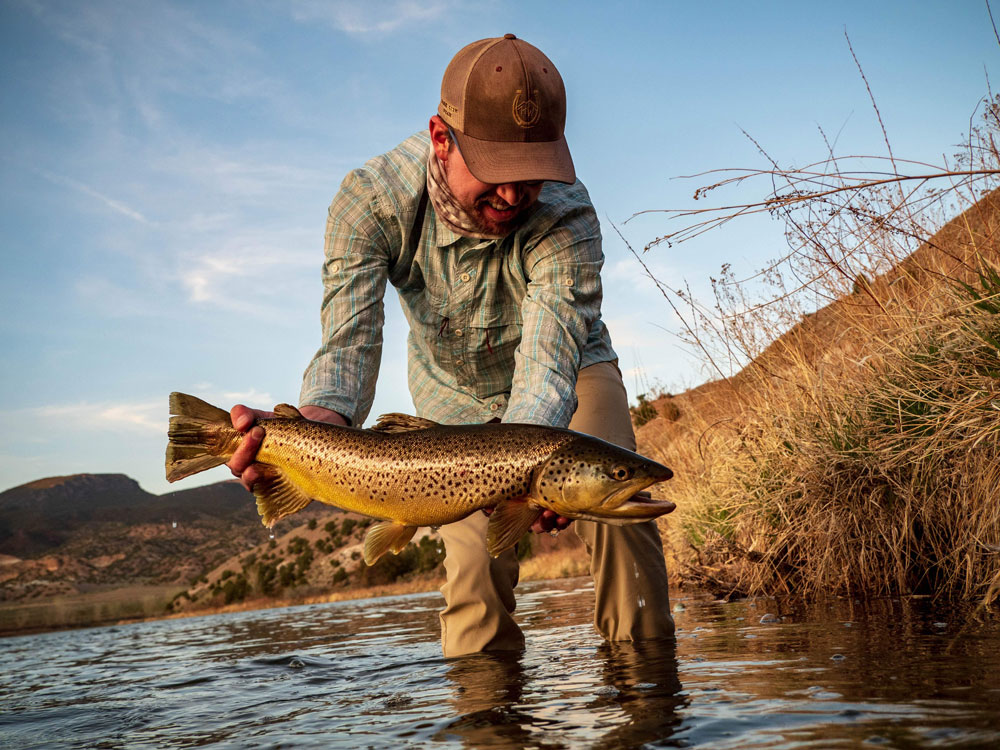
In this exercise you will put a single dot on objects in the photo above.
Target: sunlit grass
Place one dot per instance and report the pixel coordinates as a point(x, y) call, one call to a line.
point(858, 450)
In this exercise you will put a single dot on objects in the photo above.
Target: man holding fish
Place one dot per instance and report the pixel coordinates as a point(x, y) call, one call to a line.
point(495, 250)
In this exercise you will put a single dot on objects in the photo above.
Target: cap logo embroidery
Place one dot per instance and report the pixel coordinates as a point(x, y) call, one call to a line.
point(526, 110)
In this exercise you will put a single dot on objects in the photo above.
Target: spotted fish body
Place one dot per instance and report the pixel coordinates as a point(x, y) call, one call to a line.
point(410, 472)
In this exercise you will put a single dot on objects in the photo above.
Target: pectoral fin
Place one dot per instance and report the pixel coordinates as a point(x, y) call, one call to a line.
point(277, 497)
point(510, 520)
point(384, 536)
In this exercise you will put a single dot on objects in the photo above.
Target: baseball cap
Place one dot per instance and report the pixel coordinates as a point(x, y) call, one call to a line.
point(506, 102)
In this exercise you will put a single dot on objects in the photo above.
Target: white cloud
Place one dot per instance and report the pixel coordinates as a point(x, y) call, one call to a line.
point(251, 397)
point(239, 174)
point(629, 271)
point(142, 416)
point(363, 17)
point(248, 272)
point(114, 204)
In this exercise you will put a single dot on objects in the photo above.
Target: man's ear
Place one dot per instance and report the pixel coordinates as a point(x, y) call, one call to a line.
point(440, 138)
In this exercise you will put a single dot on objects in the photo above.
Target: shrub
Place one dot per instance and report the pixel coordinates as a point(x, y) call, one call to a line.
point(643, 411)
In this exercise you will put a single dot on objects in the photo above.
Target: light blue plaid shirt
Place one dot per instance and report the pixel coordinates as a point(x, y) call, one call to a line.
point(498, 328)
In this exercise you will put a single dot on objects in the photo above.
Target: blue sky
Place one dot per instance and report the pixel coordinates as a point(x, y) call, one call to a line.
point(166, 169)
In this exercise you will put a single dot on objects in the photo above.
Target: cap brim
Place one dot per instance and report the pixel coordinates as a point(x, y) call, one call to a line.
point(497, 162)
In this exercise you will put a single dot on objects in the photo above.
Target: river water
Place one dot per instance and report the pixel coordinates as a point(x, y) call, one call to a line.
point(359, 674)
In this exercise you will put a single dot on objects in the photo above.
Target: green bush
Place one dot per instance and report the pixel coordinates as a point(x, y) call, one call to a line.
point(236, 590)
point(643, 411)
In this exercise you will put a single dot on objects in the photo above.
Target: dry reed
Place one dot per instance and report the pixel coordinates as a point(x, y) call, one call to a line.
point(858, 452)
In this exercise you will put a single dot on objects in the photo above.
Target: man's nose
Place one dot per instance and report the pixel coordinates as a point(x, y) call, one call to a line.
point(512, 192)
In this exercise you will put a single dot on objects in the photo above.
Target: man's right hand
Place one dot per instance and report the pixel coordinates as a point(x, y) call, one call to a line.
point(243, 417)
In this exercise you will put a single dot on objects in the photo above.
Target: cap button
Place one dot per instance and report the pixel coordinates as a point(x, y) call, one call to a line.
point(509, 36)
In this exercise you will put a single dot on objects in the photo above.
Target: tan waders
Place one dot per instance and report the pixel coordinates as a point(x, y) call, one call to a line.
point(630, 576)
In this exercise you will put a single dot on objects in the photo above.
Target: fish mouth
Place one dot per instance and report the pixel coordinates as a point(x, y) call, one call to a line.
point(624, 507)
point(642, 508)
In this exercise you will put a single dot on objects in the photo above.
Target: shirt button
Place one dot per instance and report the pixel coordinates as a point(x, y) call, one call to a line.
point(465, 277)
point(335, 268)
point(494, 406)
point(568, 281)
point(459, 332)
point(459, 362)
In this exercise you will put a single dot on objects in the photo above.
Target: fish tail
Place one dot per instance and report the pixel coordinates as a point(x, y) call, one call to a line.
point(200, 437)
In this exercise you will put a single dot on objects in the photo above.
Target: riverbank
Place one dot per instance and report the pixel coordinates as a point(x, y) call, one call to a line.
point(146, 603)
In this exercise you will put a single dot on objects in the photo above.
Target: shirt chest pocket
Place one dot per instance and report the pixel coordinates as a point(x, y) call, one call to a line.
point(491, 337)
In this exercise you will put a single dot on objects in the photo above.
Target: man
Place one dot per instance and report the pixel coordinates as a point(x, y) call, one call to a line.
point(495, 250)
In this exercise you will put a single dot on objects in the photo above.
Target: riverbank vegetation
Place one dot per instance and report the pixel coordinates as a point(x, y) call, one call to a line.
point(856, 450)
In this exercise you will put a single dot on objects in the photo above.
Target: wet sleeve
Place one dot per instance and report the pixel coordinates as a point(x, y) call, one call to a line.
point(562, 304)
point(342, 374)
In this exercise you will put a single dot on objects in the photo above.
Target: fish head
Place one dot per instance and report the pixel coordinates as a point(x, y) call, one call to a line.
point(593, 480)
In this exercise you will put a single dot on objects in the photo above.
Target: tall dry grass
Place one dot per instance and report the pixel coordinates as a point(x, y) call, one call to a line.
point(858, 450)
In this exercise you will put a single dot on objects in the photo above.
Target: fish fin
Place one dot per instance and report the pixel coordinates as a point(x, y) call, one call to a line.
point(384, 536)
point(276, 496)
point(184, 405)
point(287, 411)
point(396, 422)
point(195, 437)
point(185, 460)
point(510, 520)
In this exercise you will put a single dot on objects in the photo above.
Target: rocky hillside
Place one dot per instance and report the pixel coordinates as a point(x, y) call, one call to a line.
point(88, 531)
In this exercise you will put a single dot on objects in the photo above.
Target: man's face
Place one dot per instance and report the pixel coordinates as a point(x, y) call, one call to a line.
point(497, 209)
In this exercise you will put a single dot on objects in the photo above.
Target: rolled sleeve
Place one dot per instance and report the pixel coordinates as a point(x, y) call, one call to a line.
point(343, 372)
point(562, 305)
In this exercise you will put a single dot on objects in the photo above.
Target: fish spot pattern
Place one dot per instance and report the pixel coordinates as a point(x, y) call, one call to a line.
point(464, 467)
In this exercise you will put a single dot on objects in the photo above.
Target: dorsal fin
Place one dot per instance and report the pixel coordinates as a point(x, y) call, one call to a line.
point(396, 422)
point(287, 411)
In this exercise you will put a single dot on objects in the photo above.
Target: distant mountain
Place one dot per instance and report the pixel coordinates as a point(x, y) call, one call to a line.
point(42, 515)
point(86, 531)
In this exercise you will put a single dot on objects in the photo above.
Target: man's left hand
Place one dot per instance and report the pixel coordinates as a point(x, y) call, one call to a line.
point(550, 521)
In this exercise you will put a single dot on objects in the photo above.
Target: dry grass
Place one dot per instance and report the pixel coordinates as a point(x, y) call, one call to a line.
point(860, 452)
point(560, 563)
point(82, 610)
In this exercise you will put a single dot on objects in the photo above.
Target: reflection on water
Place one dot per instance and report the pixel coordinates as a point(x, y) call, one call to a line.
point(370, 674)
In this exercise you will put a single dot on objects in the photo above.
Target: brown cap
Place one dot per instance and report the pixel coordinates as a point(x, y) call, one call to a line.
point(506, 102)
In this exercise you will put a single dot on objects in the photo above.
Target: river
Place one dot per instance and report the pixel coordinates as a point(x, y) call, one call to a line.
point(360, 674)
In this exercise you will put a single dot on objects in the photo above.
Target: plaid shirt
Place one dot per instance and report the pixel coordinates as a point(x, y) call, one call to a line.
point(498, 328)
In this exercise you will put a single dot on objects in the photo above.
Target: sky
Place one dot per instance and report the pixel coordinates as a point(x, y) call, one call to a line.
point(166, 168)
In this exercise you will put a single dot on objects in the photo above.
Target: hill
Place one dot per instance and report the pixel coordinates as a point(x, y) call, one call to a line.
point(858, 452)
point(825, 337)
point(76, 533)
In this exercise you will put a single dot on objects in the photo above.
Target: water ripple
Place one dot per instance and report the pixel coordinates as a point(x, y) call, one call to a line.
point(370, 674)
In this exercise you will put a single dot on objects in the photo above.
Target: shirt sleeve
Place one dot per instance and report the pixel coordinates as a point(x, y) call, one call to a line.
point(344, 370)
point(562, 304)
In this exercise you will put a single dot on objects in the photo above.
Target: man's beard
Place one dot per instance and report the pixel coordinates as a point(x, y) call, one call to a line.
point(492, 226)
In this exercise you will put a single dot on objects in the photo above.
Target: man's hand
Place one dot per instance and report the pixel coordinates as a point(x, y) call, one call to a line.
point(550, 521)
point(243, 417)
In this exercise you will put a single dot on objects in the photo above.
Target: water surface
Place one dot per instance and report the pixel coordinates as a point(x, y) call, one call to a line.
point(370, 674)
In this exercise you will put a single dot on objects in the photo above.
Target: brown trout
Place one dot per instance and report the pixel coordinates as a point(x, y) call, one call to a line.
point(410, 472)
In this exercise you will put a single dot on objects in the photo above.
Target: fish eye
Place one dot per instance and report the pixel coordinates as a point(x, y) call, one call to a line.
point(621, 473)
